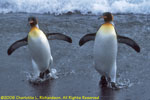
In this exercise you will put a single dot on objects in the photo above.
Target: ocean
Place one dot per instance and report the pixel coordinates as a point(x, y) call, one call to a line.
point(83, 6)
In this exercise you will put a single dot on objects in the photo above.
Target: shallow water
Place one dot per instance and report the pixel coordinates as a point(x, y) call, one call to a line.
point(34, 78)
point(74, 64)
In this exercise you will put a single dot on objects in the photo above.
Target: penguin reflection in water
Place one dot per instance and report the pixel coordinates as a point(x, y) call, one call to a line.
point(105, 50)
point(39, 47)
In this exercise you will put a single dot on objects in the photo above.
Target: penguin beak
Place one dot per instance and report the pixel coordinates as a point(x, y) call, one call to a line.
point(102, 17)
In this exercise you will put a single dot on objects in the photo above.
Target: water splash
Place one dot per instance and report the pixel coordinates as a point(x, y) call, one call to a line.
point(34, 78)
point(67, 73)
point(83, 6)
point(124, 83)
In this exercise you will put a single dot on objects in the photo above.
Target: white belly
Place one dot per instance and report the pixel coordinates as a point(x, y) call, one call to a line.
point(105, 53)
point(40, 51)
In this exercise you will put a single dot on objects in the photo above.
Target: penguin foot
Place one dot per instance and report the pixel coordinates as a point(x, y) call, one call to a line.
point(47, 75)
point(103, 82)
point(114, 86)
point(44, 74)
point(41, 75)
point(47, 71)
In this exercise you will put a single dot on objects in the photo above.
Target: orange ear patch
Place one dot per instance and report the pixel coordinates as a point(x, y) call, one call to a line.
point(103, 16)
point(31, 21)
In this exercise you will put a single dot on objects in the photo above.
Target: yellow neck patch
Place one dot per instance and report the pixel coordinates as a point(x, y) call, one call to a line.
point(107, 28)
point(34, 32)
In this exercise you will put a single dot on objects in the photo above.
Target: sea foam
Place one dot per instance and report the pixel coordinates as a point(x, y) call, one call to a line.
point(82, 6)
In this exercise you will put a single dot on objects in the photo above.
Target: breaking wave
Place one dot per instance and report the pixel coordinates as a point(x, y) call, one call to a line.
point(82, 6)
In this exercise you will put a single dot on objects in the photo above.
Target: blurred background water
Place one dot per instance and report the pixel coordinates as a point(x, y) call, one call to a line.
point(82, 6)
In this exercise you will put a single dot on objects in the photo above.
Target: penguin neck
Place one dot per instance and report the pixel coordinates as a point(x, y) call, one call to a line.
point(110, 22)
point(37, 25)
point(34, 27)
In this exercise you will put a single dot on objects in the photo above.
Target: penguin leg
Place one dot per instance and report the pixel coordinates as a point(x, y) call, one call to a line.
point(103, 82)
point(112, 84)
point(112, 77)
point(112, 74)
point(41, 75)
point(50, 63)
point(47, 71)
point(36, 70)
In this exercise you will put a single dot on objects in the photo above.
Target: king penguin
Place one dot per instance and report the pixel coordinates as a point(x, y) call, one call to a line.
point(106, 48)
point(39, 47)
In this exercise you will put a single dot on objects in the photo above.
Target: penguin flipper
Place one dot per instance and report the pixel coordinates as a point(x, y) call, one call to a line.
point(129, 42)
point(16, 45)
point(86, 38)
point(58, 36)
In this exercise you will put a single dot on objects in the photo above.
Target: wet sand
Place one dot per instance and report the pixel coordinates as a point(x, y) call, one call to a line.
point(77, 76)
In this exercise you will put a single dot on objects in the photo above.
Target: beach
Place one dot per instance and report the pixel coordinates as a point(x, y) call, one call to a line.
point(74, 64)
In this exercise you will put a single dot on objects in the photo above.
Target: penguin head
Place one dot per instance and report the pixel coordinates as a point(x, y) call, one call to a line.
point(32, 21)
point(108, 17)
